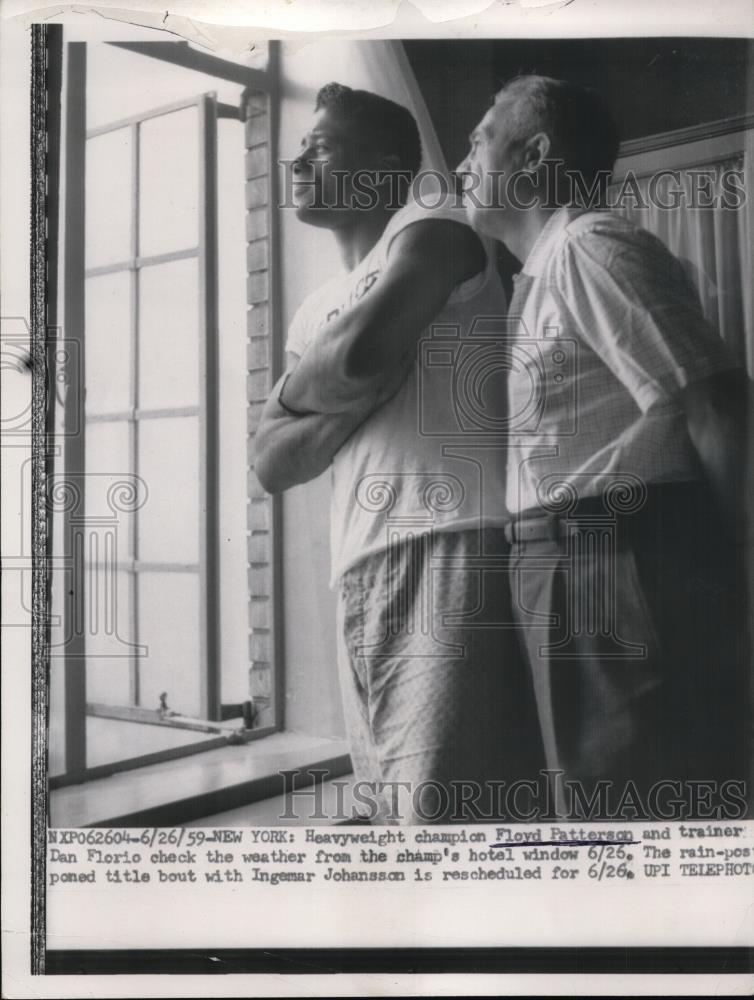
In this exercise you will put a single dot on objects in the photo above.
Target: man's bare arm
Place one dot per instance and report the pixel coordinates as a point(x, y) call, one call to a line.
point(354, 355)
point(290, 450)
point(716, 419)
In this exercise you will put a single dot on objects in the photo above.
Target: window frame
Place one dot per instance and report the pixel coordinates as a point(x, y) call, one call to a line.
point(261, 88)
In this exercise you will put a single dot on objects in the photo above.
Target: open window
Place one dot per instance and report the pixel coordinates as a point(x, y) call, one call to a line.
point(163, 556)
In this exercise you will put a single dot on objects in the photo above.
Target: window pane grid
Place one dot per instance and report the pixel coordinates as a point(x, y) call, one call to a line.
point(74, 752)
point(144, 566)
point(138, 262)
point(136, 416)
point(143, 414)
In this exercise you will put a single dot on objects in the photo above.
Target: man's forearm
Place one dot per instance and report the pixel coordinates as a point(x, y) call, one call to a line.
point(321, 382)
point(716, 422)
point(292, 450)
point(720, 463)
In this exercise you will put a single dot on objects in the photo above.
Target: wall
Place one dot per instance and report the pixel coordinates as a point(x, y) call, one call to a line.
point(652, 84)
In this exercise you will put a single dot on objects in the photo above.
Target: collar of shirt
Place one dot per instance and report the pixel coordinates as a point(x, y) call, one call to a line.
point(539, 254)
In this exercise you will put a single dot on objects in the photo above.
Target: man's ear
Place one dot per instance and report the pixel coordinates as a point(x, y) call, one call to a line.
point(536, 150)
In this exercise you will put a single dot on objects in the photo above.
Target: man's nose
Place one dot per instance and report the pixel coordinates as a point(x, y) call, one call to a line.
point(304, 159)
point(300, 162)
point(465, 176)
point(465, 170)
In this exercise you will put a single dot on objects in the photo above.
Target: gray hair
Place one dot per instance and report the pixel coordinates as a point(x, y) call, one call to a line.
point(581, 129)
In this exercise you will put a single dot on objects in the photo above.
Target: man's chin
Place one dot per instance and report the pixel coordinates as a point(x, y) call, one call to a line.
point(314, 215)
point(307, 199)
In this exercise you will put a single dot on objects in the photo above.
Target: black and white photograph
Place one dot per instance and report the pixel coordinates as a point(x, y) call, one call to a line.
point(377, 476)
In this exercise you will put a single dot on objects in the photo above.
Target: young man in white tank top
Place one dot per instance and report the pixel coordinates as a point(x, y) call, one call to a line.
point(391, 382)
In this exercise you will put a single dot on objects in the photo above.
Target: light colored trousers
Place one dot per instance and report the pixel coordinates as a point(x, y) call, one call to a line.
point(435, 688)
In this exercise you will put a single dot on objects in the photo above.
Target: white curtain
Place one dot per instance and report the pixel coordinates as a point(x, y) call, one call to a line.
point(713, 243)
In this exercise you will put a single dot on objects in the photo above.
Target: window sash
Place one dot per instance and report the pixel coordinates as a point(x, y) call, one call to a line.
point(74, 523)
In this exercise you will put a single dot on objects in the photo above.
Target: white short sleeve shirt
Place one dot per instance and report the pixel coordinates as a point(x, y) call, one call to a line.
point(425, 460)
point(609, 334)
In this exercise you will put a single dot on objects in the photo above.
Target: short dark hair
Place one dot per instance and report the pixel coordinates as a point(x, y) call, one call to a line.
point(392, 126)
point(580, 125)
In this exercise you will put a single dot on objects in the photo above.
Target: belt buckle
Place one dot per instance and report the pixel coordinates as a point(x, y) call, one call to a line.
point(515, 536)
point(553, 528)
point(512, 532)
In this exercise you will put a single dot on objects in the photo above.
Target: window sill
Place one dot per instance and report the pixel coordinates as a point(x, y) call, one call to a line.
point(323, 805)
point(180, 791)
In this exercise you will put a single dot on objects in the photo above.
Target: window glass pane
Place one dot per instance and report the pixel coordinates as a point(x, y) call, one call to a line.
point(111, 72)
point(169, 182)
point(111, 491)
point(108, 198)
point(169, 466)
point(108, 342)
point(106, 455)
point(108, 649)
point(169, 616)
point(168, 335)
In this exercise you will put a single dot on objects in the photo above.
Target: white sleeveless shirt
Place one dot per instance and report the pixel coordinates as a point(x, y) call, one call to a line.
point(433, 457)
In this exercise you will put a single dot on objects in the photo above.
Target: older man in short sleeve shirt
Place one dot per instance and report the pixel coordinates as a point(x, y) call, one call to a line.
point(624, 470)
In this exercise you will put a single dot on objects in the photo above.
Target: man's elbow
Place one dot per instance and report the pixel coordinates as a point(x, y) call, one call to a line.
point(266, 476)
point(266, 467)
point(269, 482)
